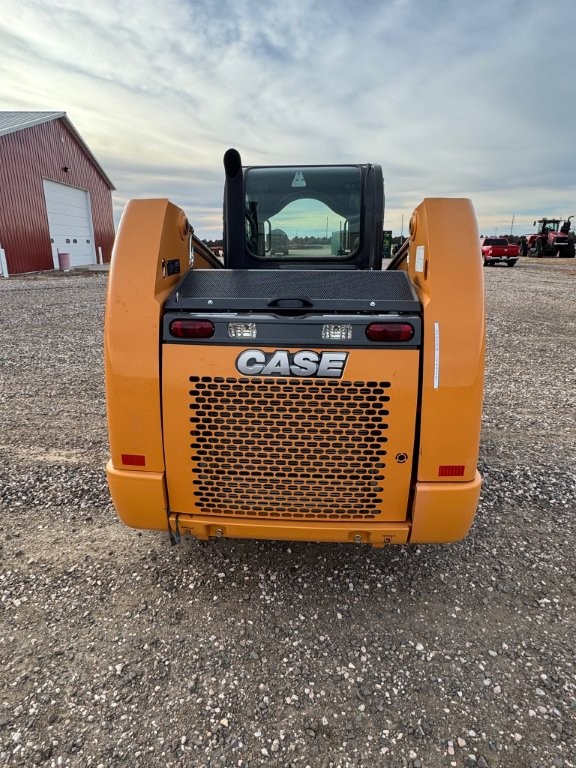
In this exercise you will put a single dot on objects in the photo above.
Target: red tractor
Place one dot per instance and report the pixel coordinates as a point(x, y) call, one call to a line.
point(553, 238)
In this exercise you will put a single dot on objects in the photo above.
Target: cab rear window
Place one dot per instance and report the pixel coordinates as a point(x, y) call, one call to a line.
point(495, 241)
point(308, 212)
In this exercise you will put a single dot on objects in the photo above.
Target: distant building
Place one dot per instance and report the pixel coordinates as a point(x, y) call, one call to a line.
point(54, 195)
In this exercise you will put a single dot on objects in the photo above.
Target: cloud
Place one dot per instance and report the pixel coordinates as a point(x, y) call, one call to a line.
point(451, 99)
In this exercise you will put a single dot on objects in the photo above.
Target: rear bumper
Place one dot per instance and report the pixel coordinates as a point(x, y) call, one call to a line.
point(441, 513)
point(377, 535)
point(500, 259)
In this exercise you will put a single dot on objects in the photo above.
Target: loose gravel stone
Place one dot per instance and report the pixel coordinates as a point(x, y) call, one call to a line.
point(119, 650)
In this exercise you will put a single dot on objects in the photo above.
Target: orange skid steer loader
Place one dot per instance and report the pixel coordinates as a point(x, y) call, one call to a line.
point(303, 392)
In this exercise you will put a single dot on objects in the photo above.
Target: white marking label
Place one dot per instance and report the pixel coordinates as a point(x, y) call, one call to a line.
point(419, 265)
point(298, 180)
point(436, 355)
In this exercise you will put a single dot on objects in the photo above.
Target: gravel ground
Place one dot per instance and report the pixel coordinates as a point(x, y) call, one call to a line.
point(118, 650)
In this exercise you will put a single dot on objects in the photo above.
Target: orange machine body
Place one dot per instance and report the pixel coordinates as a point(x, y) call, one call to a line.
point(385, 453)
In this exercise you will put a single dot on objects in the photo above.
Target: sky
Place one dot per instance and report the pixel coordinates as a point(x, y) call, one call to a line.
point(453, 98)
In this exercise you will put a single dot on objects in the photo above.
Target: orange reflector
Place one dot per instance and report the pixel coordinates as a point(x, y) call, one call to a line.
point(451, 470)
point(133, 460)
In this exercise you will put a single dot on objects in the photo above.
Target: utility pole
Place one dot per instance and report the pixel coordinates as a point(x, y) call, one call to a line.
point(512, 225)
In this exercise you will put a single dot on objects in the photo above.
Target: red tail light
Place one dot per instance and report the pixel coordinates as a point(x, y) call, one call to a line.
point(192, 329)
point(392, 332)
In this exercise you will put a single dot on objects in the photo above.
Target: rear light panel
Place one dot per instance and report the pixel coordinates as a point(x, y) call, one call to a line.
point(311, 331)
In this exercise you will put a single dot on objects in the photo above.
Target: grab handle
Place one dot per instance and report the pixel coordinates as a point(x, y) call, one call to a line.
point(291, 302)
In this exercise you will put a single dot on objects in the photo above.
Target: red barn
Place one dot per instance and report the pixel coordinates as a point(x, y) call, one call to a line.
point(54, 196)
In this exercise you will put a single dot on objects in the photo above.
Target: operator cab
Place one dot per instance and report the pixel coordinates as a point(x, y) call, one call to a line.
point(302, 217)
point(547, 225)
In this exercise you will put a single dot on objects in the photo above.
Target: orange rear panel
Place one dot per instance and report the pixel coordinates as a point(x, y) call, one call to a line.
point(289, 448)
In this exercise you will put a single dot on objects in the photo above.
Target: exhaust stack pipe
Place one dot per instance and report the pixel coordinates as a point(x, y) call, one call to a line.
point(232, 163)
point(234, 228)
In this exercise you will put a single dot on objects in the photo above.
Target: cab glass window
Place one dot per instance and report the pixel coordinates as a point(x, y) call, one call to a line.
point(306, 212)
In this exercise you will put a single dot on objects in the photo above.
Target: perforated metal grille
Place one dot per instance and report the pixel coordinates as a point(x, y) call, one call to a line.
point(289, 448)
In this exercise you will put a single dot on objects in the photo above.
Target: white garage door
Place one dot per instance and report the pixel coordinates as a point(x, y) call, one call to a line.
point(70, 222)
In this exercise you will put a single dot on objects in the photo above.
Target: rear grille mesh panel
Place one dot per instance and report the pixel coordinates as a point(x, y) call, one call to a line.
point(288, 447)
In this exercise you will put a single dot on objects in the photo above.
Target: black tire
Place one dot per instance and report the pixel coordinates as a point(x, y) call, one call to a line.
point(539, 249)
point(510, 263)
point(484, 263)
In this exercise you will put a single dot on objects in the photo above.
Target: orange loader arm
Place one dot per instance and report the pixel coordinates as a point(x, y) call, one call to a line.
point(444, 263)
point(151, 254)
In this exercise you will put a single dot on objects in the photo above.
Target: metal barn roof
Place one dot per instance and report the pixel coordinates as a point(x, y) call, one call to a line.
point(11, 122)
